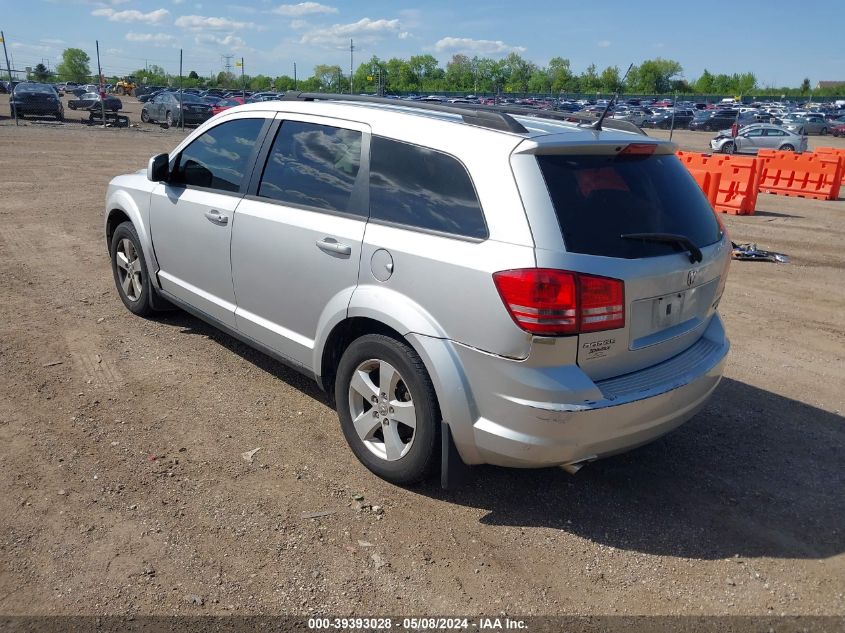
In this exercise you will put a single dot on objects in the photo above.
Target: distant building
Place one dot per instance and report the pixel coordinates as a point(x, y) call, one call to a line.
point(830, 84)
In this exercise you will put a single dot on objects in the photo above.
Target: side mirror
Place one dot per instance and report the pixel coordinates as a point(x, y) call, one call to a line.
point(158, 168)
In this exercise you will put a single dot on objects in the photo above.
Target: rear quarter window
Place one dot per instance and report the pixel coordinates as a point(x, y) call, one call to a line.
point(599, 198)
point(419, 187)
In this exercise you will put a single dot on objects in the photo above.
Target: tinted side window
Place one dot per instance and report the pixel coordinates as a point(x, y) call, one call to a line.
point(424, 188)
point(218, 159)
point(313, 165)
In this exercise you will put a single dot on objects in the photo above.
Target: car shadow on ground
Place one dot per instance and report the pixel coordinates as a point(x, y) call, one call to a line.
point(753, 474)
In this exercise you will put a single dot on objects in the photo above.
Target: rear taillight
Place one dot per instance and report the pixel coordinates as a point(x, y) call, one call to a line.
point(557, 302)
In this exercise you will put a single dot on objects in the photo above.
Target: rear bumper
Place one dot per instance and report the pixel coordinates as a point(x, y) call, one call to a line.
point(524, 416)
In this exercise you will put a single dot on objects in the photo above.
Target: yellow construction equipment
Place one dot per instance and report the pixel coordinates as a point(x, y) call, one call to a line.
point(125, 86)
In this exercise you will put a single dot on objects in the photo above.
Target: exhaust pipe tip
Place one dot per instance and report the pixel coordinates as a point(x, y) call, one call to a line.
point(573, 467)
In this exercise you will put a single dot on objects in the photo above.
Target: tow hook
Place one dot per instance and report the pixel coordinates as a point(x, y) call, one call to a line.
point(574, 467)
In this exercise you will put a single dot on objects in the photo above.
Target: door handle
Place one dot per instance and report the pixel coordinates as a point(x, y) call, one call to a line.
point(331, 245)
point(217, 218)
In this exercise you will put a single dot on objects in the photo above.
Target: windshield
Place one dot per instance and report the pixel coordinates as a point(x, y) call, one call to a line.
point(35, 88)
point(187, 97)
point(599, 198)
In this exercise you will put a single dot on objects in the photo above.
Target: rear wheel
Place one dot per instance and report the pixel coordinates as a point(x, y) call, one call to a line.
point(787, 148)
point(824, 131)
point(387, 408)
point(168, 119)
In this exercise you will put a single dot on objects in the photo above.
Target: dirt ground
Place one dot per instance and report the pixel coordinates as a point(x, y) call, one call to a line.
point(125, 489)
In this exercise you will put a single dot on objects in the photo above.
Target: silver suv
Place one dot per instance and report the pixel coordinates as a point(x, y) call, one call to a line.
point(465, 281)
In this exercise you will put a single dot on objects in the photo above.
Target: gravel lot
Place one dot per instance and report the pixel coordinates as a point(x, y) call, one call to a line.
point(127, 493)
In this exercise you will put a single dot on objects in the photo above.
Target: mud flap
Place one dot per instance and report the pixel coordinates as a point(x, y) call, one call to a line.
point(453, 470)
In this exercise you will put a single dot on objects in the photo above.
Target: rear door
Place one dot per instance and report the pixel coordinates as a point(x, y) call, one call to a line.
point(668, 299)
point(297, 238)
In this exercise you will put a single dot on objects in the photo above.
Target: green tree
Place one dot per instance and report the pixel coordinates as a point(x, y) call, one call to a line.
point(704, 84)
point(459, 74)
point(805, 86)
point(328, 77)
point(610, 80)
point(40, 73)
point(193, 75)
point(284, 83)
point(517, 72)
point(654, 76)
point(74, 65)
point(560, 74)
point(589, 80)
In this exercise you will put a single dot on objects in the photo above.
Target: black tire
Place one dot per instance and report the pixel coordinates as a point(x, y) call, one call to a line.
point(60, 115)
point(729, 148)
point(145, 118)
point(422, 456)
point(824, 131)
point(71, 105)
point(142, 305)
point(168, 119)
point(787, 148)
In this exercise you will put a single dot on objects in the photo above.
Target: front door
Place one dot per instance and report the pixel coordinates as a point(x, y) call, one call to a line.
point(191, 216)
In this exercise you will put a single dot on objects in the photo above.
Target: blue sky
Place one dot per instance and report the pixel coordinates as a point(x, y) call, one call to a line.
point(780, 43)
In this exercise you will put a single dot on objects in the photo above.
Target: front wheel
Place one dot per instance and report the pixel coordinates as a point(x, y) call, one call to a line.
point(145, 118)
point(130, 270)
point(60, 115)
point(728, 148)
point(387, 408)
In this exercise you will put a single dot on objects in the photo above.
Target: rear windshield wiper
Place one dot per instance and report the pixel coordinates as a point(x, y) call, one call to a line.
point(669, 238)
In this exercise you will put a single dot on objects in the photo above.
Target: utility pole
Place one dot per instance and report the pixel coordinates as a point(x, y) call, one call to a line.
point(294, 75)
point(100, 83)
point(181, 94)
point(9, 70)
point(351, 51)
point(243, 81)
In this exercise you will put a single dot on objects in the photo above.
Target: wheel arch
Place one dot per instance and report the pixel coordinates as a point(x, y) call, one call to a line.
point(122, 207)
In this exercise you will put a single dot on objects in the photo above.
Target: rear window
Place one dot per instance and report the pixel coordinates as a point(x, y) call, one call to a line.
point(599, 198)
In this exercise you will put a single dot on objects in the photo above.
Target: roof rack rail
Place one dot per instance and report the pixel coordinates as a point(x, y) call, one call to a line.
point(615, 124)
point(482, 117)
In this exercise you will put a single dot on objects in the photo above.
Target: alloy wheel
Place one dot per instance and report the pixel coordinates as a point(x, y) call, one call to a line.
point(382, 409)
point(129, 269)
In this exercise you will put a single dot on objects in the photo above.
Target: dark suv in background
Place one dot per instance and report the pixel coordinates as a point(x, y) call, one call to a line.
point(35, 99)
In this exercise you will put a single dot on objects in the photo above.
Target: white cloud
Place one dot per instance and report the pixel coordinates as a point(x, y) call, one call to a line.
point(157, 39)
point(365, 30)
point(479, 47)
point(204, 23)
point(131, 15)
point(298, 24)
point(232, 42)
point(30, 48)
point(603, 43)
point(404, 35)
point(303, 8)
point(48, 40)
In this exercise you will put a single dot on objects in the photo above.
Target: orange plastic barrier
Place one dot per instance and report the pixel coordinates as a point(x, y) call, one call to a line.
point(836, 152)
point(805, 175)
point(733, 183)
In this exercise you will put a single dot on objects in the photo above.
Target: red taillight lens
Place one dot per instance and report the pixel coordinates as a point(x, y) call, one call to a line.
point(556, 302)
point(602, 303)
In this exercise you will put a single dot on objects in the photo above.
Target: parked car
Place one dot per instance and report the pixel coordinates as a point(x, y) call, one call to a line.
point(91, 99)
point(36, 99)
point(752, 138)
point(663, 119)
point(635, 116)
point(810, 124)
point(166, 108)
point(211, 100)
point(718, 119)
point(401, 269)
point(838, 130)
point(225, 104)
